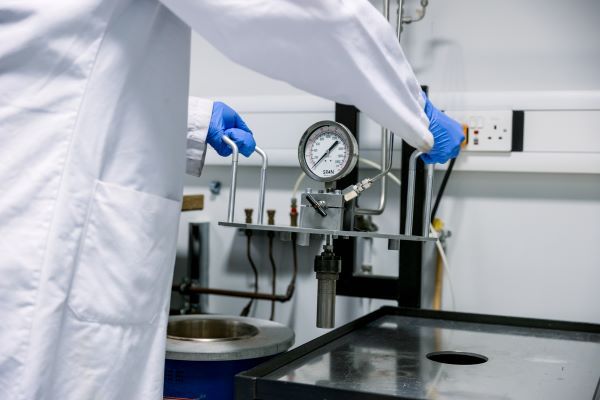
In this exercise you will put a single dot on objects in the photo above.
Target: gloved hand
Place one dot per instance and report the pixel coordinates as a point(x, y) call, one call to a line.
point(447, 135)
point(224, 121)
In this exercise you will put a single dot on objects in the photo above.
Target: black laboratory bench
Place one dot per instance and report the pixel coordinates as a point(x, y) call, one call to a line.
point(400, 353)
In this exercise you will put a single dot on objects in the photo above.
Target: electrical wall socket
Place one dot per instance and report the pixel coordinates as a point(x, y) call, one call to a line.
point(488, 131)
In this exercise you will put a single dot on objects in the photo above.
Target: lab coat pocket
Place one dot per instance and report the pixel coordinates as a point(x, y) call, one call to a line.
point(126, 257)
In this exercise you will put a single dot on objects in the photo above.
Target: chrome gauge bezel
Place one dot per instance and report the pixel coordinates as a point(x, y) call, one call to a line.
point(350, 142)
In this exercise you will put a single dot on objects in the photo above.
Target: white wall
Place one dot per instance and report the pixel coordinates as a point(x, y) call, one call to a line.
point(523, 244)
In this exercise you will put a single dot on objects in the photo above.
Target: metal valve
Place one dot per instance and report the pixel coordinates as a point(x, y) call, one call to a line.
point(319, 206)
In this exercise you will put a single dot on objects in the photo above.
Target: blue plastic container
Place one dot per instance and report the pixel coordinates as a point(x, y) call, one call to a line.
point(205, 352)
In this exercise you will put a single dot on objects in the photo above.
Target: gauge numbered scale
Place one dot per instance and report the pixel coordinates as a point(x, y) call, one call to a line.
point(327, 151)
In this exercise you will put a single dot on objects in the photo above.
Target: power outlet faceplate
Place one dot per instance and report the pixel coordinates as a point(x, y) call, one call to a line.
point(488, 130)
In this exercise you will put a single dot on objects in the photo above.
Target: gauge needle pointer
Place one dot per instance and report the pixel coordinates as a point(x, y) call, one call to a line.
point(333, 146)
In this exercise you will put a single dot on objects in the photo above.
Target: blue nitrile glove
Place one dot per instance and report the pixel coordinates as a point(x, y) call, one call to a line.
point(447, 135)
point(224, 121)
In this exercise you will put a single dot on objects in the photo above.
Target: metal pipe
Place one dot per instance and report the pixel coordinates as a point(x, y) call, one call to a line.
point(399, 18)
point(387, 148)
point(420, 13)
point(386, 157)
point(428, 196)
point(263, 183)
point(389, 159)
point(194, 288)
point(233, 293)
point(410, 197)
point(234, 164)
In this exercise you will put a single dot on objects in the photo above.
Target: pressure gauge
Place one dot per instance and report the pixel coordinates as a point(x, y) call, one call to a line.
point(327, 151)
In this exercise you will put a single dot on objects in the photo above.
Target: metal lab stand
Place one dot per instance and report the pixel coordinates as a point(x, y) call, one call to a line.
point(304, 233)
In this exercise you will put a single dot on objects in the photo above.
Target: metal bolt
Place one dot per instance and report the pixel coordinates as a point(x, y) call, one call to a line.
point(248, 212)
point(271, 217)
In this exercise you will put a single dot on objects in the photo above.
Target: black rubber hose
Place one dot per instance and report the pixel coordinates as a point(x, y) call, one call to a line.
point(292, 286)
point(273, 276)
point(246, 310)
point(440, 193)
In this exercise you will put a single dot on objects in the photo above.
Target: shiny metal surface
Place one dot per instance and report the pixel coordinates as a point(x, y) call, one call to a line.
point(428, 197)
point(263, 183)
point(330, 204)
point(412, 171)
point(233, 189)
point(325, 302)
point(322, 232)
point(234, 164)
point(388, 356)
point(410, 197)
point(210, 330)
point(387, 150)
point(229, 338)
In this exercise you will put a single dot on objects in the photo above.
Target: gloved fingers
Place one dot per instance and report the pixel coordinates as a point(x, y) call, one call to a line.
point(220, 146)
point(243, 139)
point(455, 152)
point(427, 159)
point(240, 124)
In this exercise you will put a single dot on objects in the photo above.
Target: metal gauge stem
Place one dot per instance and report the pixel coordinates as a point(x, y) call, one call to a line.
point(327, 151)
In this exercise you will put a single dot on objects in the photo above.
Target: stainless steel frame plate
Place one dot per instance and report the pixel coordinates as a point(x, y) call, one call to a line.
point(312, 231)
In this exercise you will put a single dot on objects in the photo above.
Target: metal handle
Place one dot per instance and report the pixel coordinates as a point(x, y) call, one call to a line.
point(315, 204)
point(263, 183)
point(263, 180)
point(234, 164)
point(428, 196)
point(410, 198)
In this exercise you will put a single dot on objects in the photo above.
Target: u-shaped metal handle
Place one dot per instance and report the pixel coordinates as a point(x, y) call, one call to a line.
point(410, 198)
point(263, 180)
point(263, 183)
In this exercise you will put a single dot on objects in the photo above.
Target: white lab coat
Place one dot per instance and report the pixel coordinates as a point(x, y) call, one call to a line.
point(92, 154)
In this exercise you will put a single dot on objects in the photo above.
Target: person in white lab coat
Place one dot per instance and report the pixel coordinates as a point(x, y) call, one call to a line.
point(93, 104)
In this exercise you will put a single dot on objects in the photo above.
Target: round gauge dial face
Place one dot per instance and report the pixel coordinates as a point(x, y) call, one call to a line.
point(329, 152)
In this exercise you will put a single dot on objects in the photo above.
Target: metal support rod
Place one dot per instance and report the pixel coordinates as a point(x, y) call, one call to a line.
point(234, 164)
point(263, 183)
point(399, 18)
point(428, 196)
point(410, 197)
point(386, 165)
point(387, 148)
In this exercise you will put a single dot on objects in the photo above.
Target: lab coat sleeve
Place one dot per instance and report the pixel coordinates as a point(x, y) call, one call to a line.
point(341, 50)
point(199, 113)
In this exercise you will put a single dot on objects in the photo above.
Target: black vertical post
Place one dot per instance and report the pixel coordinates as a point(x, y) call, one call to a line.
point(411, 253)
point(349, 283)
point(346, 248)
point(193, 260)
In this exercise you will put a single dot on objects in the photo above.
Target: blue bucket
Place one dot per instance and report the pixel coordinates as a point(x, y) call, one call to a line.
point(205, 352)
